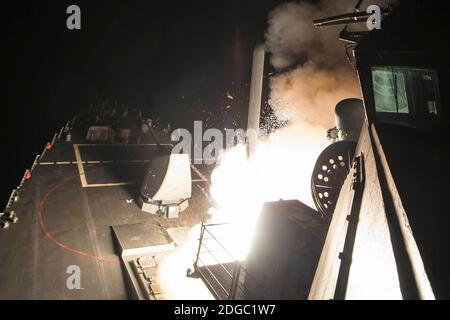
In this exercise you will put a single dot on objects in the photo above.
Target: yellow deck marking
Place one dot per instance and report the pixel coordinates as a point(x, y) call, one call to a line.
point(80, 166)
point(199, 173)
point(97, 185)
point(82, 173)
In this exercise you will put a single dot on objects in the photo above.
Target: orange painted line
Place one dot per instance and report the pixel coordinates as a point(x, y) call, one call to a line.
point(58, 243)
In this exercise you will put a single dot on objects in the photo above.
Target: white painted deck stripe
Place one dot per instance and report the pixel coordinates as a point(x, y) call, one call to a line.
point(82, 174)
point(198, 173)
point(80, 166)
point(93, 162)
point(98, 185)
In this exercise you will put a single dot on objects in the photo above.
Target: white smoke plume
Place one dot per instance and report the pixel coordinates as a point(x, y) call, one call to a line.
point(319, 74)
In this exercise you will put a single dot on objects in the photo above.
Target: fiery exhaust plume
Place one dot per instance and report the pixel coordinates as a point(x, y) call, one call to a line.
point(314, 76)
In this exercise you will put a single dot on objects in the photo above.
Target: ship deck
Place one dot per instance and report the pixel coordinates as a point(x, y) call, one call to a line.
point(67, 209)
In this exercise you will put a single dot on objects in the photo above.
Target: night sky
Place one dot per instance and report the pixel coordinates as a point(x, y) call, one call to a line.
point(170, 59)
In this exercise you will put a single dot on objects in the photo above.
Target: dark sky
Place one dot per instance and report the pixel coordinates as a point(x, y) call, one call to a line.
point(144, 53)
point(128, 48)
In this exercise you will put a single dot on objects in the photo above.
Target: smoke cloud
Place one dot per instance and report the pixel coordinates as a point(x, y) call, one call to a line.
point(318, 74)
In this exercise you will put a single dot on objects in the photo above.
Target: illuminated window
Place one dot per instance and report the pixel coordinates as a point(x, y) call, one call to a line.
point(405, 90)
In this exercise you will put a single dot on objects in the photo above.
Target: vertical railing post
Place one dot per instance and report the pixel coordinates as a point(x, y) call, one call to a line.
point(60, 133)
point(10, 200)
point(54, 139)
point(235, 280)
point(73, 121)
point(202, 232)
point(36, 161)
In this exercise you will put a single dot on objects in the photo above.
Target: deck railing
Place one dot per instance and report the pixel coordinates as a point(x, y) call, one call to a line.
point(224, 275)
point(14, 196)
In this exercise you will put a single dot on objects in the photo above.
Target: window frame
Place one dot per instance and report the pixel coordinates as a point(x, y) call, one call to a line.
point(412, 118)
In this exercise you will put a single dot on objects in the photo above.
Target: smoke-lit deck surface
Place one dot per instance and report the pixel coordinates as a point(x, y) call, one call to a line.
point(66, 221)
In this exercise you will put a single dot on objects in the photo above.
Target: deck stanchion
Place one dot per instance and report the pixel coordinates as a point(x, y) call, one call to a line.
point(202, 232)
point(13, 194)
point(235, 280)
point(73, 121)
point(36, 161)
point(60, 133)
point(54, 139)
point(26, 176)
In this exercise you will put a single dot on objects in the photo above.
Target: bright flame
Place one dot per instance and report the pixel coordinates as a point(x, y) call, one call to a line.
point(281, 168)
point(304, 96)
point(173, 269)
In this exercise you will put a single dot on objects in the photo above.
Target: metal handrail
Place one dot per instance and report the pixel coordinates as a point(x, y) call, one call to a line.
point(218, 261)
point(231, 256)
point(235, 276)
point(56, 137)
point(216, 280)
